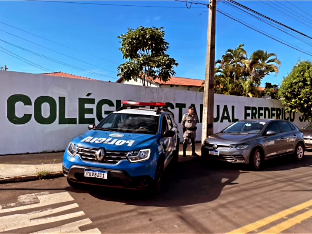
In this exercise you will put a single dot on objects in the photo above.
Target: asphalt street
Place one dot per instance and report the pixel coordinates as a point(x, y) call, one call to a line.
point(196, 198)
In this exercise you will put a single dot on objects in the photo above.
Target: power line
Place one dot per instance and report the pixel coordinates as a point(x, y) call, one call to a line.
point(56, 42)
point(268, 22)
point(265, 2)
point(108, 4)
point(255, 12)
point(56, 51)
point(265, 34)
point(298, 7)
point(55, 60)
point(23, 59)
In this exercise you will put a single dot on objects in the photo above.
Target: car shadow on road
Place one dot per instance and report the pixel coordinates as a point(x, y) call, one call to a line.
point(191, 182)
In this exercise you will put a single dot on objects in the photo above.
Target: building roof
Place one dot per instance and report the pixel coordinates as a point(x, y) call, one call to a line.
point(66, 75)
point(176, 81)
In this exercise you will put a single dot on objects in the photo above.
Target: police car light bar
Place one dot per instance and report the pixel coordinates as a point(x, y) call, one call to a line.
point(130, 103)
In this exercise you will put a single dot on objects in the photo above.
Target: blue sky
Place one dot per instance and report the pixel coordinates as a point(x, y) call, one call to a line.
point(94, 29)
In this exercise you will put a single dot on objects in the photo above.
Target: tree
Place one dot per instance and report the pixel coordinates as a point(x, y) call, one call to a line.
point(262, 64)
point(235, 74)
point(271, 91)
point(145, 49)
point(296, 90)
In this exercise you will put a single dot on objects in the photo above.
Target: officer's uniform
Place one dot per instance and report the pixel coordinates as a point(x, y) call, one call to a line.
point(189, 123)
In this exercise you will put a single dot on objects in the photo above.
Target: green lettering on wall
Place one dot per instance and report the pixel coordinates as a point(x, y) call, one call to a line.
point(278, 113)
point(267, 113)
point(99, 108)
point(254, 112)
point(272, 112)
point(246, 113)
point(225, 114)
point(83, 110)
point(11, 111)
point(170, 105)
point(216, 119)
point(38, 110)
point(62, 113)
point(118, 104)
point(260, 112)
point(181, 106)
point(233, 115)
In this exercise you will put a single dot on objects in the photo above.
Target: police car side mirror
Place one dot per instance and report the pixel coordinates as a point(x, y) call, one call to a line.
point(169, 133)
point(91, 126)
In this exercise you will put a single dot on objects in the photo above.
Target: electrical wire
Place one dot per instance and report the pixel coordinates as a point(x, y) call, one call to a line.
point(265, 34)
point(276, 8)
point(268, 22)
point(255, 12)
point(298, 8)
point(56, 51)
point(55, 60)
point(55, 42)
point(2, 49)
point(108, 4)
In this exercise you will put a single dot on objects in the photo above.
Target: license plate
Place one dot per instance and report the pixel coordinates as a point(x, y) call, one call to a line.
point(96, 174)
point(308, 141)
point(216, 153)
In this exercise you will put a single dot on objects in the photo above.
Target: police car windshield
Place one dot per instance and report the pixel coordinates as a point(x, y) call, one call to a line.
point(245, 127)
point(132, 123)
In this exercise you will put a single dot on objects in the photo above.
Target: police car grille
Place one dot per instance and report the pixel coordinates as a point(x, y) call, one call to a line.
point(112, 157)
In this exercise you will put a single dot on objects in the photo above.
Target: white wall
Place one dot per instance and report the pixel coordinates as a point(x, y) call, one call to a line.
point(35, 137)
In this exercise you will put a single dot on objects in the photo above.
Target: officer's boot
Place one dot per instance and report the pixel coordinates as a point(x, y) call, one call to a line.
point(193, 151)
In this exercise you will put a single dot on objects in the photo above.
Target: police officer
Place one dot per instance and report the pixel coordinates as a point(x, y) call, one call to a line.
point(189, 122)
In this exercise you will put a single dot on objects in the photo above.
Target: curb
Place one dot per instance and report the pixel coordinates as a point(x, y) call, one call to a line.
point(30, 178)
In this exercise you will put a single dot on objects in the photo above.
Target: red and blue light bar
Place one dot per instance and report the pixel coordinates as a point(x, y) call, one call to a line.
point(131, 103)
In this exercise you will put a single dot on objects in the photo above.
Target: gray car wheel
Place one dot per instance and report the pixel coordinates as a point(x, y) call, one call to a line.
point(256, 159)
point(299, 152)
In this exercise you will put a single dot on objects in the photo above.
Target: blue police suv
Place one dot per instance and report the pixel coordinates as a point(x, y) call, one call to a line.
point(130, 148)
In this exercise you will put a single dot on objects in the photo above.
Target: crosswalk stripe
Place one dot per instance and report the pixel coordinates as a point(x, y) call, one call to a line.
point(45, 200)
point(289, 223)
point(70, 228)
point(272, 218)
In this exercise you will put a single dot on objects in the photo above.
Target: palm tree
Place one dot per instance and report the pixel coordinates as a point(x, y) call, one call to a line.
point(234, 58)
point(261, 64)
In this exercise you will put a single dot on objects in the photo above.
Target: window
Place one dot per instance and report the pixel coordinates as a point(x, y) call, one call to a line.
point(132, 123)
point(285, 126)
point(273, 126)
point(293, 126)
point(251, 127)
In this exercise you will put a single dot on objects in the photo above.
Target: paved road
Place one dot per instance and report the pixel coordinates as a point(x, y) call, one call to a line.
point(196, 198)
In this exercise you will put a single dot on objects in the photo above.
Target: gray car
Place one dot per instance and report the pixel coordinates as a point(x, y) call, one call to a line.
point(253, 141)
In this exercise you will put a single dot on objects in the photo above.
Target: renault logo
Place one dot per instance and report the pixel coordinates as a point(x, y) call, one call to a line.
point(100, 155)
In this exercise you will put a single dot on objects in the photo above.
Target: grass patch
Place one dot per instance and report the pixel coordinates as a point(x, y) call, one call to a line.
point(43, 174)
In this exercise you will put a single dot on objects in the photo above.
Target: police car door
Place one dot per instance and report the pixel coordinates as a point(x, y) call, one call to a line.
point(166, 141)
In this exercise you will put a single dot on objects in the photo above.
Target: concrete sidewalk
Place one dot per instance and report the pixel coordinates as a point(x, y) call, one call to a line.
point(44, 165)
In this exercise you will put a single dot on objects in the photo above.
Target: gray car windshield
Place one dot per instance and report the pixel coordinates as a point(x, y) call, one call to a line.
point(245, 127)
point(132, 123)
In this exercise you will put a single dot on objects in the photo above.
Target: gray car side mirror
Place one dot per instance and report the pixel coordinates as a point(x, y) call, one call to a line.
point(270, 133)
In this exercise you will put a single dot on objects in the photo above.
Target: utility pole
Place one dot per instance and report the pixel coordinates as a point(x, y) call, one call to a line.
point(208, 108)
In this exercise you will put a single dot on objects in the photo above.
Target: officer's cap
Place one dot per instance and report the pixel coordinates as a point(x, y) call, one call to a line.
point(191, 107)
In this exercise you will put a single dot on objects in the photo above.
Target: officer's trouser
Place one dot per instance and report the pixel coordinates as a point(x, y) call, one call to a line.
point(185, 142)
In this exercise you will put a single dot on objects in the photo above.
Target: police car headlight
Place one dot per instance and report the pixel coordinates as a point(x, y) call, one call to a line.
point(139, 156)
point(72, 149)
